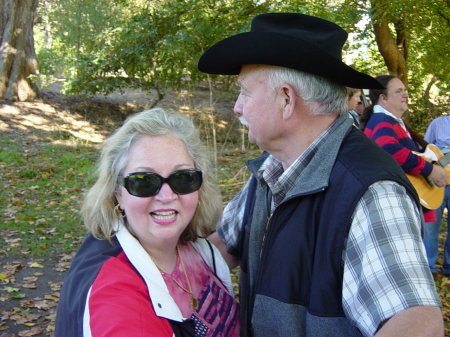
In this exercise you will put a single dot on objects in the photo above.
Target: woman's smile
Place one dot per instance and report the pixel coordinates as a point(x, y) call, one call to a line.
point(164, 217)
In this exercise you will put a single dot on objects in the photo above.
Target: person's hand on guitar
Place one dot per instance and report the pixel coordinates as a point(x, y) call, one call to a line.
point(438, 176)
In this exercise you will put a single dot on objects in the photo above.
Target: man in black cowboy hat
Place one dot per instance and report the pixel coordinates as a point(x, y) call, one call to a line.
point(327, 229)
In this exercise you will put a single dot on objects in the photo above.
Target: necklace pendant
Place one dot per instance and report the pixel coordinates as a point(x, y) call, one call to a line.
point(194, 303)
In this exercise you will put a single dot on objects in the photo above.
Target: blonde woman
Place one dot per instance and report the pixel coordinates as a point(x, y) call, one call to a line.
point(145, 269)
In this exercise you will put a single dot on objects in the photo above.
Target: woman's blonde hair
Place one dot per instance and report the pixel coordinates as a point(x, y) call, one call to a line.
point(98, 210)
point(351, 92)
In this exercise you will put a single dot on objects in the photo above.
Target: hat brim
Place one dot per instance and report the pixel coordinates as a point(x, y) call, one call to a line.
point(229, 55)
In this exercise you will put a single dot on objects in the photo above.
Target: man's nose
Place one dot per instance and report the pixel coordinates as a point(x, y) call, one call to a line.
point(238, 106)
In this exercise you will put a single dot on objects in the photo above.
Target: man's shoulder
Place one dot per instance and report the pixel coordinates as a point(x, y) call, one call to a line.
point(381, 117)
point(363, 155)
point(442, 118)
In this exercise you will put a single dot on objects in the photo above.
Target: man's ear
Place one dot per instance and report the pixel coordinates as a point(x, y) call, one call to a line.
point(288, 100)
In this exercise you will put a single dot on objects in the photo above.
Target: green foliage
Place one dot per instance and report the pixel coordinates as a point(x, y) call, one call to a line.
point(102, 45)
point(427, 27)
point(68, 31)
point(158, 45)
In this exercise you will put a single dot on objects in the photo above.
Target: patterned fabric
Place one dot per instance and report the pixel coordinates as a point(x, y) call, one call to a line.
point(218, 313)
point(373, 273)
point(391, 135)
point(385, 262)
point(230, 225)
point(201, 330)
point(280, 181)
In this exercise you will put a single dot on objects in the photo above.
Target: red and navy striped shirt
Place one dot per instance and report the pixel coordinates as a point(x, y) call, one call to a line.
point(390, 135)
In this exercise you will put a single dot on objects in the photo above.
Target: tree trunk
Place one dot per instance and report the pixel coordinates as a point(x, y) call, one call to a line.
point(394, 49)
point(17, 55)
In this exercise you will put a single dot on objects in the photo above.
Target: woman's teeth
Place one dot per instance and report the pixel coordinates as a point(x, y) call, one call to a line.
point(164, 215)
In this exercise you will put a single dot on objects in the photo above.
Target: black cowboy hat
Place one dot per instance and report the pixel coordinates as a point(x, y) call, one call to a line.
point(290, 40)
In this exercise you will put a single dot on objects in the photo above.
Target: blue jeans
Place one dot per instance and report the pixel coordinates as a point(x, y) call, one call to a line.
point(431, 237)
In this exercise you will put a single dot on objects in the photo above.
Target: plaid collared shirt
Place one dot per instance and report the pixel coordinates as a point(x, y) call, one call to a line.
point(280, 181)
point(385, 266)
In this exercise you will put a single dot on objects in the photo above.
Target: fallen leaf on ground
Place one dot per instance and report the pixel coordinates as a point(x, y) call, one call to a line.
point(37, 330)
point(36, 265)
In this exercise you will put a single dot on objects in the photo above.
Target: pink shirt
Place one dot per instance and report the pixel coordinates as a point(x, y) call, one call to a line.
point(217, 312)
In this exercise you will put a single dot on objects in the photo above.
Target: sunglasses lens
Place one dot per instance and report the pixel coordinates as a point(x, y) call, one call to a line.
point(143, 185)
point(185, 181)
point(147, 184)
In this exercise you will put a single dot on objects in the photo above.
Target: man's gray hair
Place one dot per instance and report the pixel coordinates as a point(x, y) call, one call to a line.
point(321, 95)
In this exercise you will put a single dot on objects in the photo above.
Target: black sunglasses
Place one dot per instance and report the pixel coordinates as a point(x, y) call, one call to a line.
point(147, 184)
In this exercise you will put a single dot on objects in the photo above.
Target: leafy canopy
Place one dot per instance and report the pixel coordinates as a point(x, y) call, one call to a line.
point(101, 45)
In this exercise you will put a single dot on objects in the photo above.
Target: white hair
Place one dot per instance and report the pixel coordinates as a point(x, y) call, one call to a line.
point(323, 96)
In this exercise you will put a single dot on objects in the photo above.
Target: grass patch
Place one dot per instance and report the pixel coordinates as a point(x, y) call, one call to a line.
point(42, 189)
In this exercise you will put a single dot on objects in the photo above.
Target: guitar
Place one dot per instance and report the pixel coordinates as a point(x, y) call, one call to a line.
point(430, 196)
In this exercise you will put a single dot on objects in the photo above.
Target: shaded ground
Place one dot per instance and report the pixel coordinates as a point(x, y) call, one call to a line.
point(31, 312)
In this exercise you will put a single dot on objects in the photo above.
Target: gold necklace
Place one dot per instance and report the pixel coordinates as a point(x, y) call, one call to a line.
point(194, 301)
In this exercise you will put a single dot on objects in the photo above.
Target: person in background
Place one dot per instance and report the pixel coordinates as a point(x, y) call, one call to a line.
point(383, 124)
point(355, 105)
point(144, 269)
point(360, 107)
point(317, 250)
point(438, 133)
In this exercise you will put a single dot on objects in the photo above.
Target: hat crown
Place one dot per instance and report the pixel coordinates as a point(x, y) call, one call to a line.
point(290, 40)
point(321, 33)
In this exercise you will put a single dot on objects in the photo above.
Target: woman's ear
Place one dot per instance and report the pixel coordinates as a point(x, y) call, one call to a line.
point(118, 197)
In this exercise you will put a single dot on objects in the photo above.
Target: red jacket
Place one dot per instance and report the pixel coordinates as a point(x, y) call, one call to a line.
point(116, 290)
point(131, 315)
